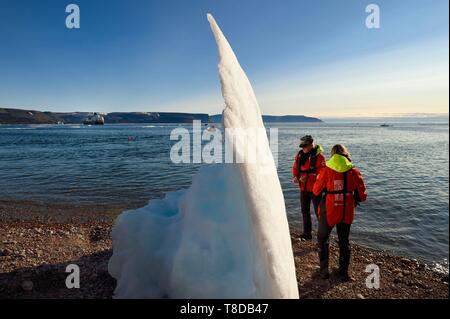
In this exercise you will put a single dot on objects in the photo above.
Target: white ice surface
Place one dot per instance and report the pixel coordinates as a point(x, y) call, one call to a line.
point(226, 236)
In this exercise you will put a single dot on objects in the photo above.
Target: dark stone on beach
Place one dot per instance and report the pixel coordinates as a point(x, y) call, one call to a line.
point(98, 233)
point(64, 233)
point(422, 285)
point(12, 242)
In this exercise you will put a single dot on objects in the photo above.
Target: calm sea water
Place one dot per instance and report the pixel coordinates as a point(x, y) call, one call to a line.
point(406, 168)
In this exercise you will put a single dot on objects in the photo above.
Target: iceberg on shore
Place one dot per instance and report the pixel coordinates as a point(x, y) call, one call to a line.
point(226, 236)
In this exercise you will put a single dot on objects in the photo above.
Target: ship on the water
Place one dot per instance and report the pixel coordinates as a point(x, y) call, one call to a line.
point(94, 119)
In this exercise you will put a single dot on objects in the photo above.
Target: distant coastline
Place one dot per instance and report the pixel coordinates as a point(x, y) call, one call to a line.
point(20, 116)
point(275, 119)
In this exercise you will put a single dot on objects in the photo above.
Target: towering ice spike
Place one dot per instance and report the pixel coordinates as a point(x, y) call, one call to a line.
point(275, 277)
point(227, 235)
point(241, 108)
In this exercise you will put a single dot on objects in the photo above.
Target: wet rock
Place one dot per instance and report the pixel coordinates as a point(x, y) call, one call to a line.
point(422, 285)
point(12, 242)
point(405, 260)
point(64, 233)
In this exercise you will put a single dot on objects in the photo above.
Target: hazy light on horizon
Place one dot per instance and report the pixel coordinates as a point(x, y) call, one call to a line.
point(381, 84)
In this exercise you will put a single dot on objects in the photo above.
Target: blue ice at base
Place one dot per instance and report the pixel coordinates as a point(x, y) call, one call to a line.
point(187, 246)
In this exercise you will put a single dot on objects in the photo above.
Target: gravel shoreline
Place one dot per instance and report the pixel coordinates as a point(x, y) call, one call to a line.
point(38, 241)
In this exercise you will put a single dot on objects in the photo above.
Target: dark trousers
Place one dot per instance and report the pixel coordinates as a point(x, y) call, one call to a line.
point(305, 202)
point(323, 237)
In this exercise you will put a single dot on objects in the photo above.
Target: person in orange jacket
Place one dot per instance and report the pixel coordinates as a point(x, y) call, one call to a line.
point(343, 188)
point(308, 162)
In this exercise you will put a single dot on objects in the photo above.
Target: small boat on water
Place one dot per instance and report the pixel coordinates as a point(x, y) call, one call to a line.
point(94, 119)
point(386, 125)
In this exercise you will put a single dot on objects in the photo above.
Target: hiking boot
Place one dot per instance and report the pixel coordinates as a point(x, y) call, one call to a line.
point(304, 237)
point(321, 274)
point(324, 274)
point(343, 275)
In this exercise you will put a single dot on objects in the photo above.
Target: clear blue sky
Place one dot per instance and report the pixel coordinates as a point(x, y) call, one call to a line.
point(303, 57)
